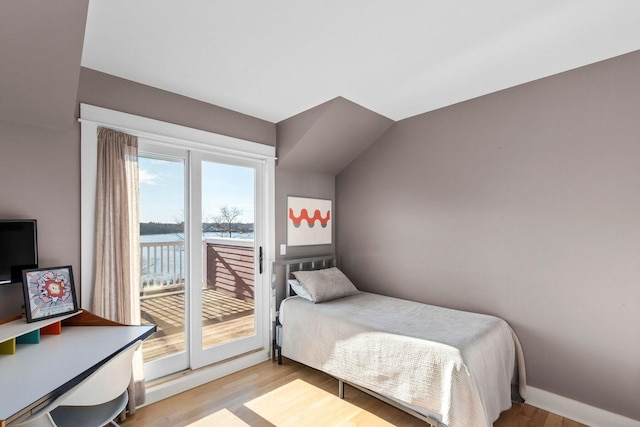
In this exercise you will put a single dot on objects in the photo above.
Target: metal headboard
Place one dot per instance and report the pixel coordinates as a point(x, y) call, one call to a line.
point(291, 265)
point(305, 264)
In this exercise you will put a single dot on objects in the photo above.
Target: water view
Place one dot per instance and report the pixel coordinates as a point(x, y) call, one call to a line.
point(162, 258)
point(179, 237)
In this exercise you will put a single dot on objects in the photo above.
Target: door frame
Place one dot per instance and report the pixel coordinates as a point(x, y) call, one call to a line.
point(200, 356)
point(177, 136)
point(176, 362)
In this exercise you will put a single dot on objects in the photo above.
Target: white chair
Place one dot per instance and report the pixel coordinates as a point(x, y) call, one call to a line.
point(94, 402)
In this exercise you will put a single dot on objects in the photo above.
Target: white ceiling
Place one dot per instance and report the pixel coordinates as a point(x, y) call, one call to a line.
point(273, 59)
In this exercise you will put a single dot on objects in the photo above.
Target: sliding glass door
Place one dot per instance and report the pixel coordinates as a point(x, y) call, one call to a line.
point(163, 196)
point(228, 245)
point(201, 220)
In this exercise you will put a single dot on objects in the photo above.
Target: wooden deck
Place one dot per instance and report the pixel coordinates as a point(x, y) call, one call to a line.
point(225, 318)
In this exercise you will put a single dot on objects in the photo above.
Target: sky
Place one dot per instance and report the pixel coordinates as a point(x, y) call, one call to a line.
point(162, 191)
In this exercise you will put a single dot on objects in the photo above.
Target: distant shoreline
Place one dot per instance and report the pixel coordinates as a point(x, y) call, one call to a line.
point(179, 237)
point(154, 228)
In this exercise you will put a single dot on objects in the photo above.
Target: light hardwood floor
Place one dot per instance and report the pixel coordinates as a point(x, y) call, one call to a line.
point(268, 395)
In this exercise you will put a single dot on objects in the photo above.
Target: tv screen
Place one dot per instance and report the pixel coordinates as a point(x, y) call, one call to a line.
point(18, 248)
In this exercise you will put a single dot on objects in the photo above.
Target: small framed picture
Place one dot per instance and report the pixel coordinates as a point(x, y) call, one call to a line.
point(48, 292)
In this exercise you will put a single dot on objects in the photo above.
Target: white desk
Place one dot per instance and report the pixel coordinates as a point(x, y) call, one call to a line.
point(39, 373)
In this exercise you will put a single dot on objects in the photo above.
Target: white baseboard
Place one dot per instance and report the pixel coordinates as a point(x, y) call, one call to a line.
point(577, 411)
point(190, 379)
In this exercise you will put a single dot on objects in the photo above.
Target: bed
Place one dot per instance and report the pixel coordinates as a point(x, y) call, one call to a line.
point(447, 367)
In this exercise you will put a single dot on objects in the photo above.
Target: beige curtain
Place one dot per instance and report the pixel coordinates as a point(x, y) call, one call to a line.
point(116, 293)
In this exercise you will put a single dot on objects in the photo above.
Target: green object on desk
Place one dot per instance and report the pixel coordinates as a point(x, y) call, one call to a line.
point(32, 337)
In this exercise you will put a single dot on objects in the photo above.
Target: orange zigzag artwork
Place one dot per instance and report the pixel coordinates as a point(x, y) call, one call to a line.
point(311, 221)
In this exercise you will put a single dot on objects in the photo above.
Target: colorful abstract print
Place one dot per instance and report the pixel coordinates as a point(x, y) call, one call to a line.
point(304, 215)
point(53, 288)
point(311, 221)
point(49, 292)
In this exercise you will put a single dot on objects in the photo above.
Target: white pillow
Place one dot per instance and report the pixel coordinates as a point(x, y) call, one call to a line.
point(299, 289)
point(326, 284)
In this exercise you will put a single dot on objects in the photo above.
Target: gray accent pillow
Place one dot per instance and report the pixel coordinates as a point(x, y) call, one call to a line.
point(326, 284)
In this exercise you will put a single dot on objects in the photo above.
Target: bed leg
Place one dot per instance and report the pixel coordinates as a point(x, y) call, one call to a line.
point(341, 389)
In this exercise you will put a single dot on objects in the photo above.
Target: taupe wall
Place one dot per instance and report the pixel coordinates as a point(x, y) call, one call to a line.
point(118, 94)
point(523, 204)
point(39, 138)
point(40, 178)
point(41, 45)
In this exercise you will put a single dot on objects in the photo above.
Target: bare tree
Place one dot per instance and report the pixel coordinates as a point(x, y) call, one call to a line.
point(179, 221)
point(227, 222)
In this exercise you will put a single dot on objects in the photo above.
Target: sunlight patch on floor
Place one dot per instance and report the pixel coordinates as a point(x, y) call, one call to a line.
point(300, 403)
point(223, 417)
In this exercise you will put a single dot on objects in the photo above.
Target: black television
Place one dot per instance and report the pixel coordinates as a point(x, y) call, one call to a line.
point(18, 248)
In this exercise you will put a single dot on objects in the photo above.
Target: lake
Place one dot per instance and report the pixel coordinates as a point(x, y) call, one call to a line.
point(150, 265)
point(179, 237)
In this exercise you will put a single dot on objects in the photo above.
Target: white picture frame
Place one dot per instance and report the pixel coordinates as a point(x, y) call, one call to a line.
point(309, 221)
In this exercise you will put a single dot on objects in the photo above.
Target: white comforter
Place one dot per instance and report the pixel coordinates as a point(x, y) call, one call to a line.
point(452, 364)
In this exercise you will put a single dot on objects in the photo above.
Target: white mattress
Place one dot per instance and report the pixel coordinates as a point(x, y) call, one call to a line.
point(456, 364)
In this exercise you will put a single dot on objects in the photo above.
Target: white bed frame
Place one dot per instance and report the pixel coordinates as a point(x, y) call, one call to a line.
point(317, 263)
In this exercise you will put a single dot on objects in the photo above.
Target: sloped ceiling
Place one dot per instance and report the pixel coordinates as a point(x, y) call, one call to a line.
point(273, 59)
point(40, 49)
point(327, 138)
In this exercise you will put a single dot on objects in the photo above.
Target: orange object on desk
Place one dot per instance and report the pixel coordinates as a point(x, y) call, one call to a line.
point(52, 329)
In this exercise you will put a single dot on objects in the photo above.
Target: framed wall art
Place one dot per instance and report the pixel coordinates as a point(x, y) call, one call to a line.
point(309, 221)
point(48, 292)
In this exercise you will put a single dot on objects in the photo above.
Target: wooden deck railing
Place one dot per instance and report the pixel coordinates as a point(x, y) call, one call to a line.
point(229, 262)
point(162, 265)
point(230, 267)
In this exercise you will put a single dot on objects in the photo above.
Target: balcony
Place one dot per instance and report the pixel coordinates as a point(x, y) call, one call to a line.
point(227, 293)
